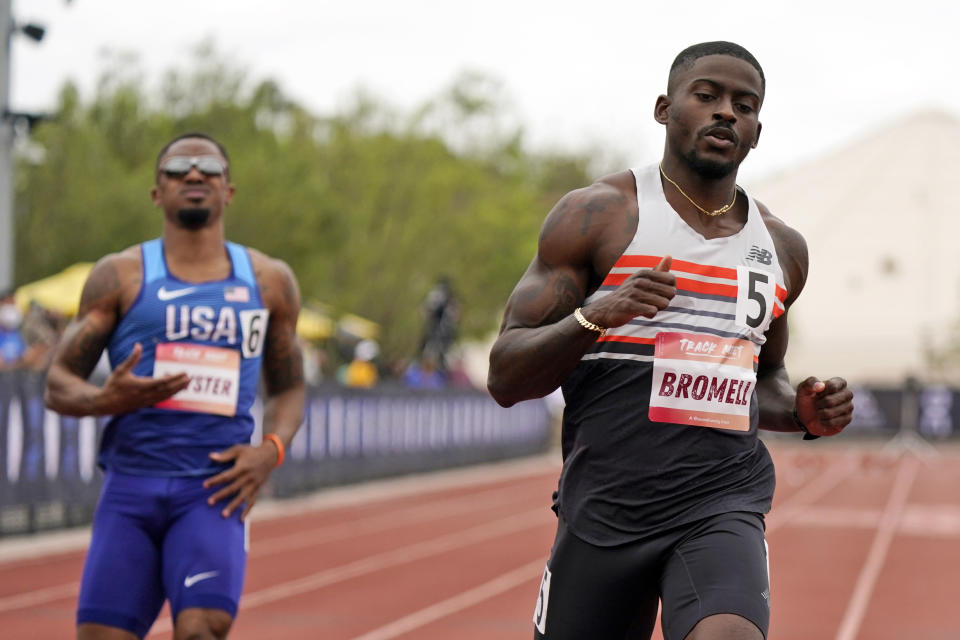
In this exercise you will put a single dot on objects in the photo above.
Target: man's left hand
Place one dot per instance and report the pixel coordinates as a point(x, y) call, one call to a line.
point(251, 467)
point(824, 407)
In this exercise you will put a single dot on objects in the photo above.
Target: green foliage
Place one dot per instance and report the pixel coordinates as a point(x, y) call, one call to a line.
point(367, 206)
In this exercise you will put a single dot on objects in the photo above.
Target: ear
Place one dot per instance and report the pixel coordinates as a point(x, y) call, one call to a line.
point(155, 195)
point(661, 110)
point(228, 198)
point(756, 140)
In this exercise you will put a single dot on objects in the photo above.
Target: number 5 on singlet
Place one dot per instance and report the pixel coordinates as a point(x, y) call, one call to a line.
point(253, 331)
point(543, 599)
point(756, 290)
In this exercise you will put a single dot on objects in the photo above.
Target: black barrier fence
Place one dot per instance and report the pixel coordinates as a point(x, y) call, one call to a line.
point(49, 477)
point(931, 412)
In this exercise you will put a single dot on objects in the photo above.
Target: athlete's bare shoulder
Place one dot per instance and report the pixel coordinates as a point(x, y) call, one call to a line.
point(278, 285)
point(114, 282)
point(791, 250)
point(591, 226)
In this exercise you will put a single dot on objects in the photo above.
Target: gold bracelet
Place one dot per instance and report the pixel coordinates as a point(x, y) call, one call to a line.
point(586, 324)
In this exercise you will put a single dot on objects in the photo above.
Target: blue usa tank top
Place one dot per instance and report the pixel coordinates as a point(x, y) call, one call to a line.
point(215, 332)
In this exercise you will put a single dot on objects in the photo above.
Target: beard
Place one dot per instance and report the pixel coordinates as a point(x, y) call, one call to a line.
point(193, 218)
point(709, 168)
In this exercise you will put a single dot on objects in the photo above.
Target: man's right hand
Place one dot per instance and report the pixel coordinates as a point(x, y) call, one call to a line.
point(644, 293)
point(124, 392)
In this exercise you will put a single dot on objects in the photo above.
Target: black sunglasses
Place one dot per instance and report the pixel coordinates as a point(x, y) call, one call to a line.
point(179, 166)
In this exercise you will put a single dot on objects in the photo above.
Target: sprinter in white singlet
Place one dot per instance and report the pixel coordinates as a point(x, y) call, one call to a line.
point(657, 300)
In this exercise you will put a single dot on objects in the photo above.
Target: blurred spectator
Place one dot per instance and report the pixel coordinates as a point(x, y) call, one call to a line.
point(41, 330)
point(362, 372)
point(425, 373)
point(314, 361)
point(457, 374)
point(441, 319)
point(12, 346)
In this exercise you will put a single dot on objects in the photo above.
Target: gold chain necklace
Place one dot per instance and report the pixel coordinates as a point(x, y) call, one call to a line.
point(716, 212)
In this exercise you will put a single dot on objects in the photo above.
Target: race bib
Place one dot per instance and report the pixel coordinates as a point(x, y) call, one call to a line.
point(214, 377)
point(702, 381)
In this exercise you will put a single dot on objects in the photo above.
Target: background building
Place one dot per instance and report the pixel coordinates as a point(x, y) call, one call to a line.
point(882, 219)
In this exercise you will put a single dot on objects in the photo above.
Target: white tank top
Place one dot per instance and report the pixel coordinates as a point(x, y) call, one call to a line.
point(705, 345)
point(730, 287)
point(638, 448)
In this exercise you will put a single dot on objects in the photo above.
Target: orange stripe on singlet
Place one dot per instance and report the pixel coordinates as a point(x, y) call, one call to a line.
point(649, 262)
point(684, 284)
point(632, 339)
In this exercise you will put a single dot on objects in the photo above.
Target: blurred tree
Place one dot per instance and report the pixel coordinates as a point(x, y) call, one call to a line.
point(368, 206)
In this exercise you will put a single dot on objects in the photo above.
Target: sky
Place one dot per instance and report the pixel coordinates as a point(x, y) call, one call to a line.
point(578, 75)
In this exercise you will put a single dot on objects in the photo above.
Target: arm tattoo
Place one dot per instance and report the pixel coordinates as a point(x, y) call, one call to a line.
point(262, 283)
point(282, 361)
point(87, 336)
point(597, 205)
point(82, 348)
point(563, 295)
point(102, 284)
point(289, 293)
point(567, 295)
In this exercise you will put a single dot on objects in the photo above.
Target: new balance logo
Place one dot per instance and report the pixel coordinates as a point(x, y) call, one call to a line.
point(165, 295)
point(760, 255)
point(189, 581)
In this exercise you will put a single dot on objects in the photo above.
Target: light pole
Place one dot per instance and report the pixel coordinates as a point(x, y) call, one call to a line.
point(35, 32)
point(6, 152)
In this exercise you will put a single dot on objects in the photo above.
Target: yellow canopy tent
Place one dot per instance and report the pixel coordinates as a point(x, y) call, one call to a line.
point(59, 292)
point(358, 326)
point(313, 324)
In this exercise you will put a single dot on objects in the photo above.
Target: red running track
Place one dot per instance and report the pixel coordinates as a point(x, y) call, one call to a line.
point(864, 545)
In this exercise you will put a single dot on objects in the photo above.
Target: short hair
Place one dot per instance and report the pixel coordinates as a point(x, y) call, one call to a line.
point(686, 58)
point(192, 134)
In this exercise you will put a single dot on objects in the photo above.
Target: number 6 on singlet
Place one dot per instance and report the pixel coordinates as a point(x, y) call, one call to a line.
point(253, 331)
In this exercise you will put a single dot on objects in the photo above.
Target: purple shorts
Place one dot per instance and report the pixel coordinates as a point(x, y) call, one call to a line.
point(155, 539)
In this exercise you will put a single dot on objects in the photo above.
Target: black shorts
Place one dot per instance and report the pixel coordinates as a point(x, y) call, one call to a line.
point(715, 565)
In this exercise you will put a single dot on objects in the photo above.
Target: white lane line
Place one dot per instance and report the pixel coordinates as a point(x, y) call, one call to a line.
point(394, 557)
point(838, 518)
point(931, 521)
point(857, 607)
point(39, 596)
point(33, 548)
point(15, 550)
point(386, 489)
point(400, 517)
point(823, 484)
point(342, 496)
point(527, 573)
point(313, 537)
point(378, 562)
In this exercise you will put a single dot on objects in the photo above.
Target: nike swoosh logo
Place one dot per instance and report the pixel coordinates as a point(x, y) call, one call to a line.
point(163, 294)
point(189, 581)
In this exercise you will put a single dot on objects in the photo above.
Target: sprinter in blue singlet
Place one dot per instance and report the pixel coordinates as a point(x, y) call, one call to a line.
point(189, 321)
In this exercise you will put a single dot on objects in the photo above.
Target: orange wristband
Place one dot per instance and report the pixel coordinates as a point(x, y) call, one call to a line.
point(275, 439)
